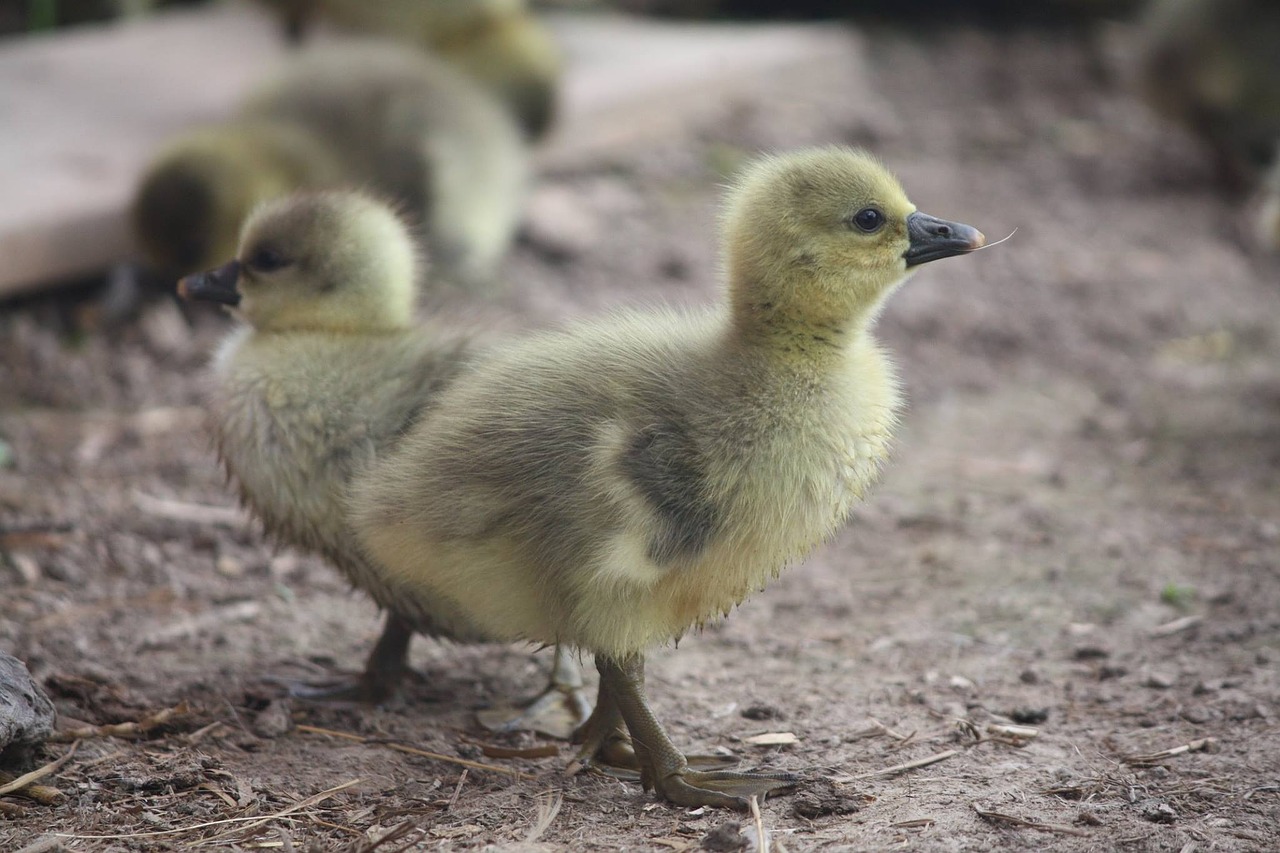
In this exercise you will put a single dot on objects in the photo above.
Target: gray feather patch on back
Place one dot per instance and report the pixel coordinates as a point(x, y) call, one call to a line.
point(664, 465)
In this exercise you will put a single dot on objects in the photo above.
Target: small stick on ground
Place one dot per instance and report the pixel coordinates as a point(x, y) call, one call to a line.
point(37, 534)
point(39, 773)
point(409, 750)
point(1204, 743)
point(1017, 735)
point(909, 765)
point(762, 841)
point(881, 728)
point(1013, 820)
point(188, 512)
point(123, 730)
point(462, 780)
point(1168, 629)
point(43, 794)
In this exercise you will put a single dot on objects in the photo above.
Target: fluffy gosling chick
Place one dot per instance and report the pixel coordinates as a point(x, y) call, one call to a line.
point(611, 485)
point(498, 43)
point(325, 373)
point(361, 113)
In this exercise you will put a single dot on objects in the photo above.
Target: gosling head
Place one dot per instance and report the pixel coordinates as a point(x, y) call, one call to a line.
point(818, 239)
point(328, 261)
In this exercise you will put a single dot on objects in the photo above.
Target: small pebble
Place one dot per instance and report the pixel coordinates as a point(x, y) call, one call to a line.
point(1157, 811)
point(1029, 716)
point(274, 720)
point(725, 838)
point(761, 712)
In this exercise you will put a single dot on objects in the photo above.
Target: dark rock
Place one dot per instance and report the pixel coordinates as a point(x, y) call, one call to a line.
point(274, 720)
point(26, 714)
point(1157, 811)
point(761, 712)
point(725, 838)
point(822, 798)
point(1029, 716)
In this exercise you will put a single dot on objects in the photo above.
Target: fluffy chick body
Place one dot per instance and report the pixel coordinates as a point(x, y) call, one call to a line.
point(612, 484)
point(326, 373)
point(299, 415)
point(630, 513)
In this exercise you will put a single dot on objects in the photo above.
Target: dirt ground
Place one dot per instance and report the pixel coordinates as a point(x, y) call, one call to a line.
point(1080, 532)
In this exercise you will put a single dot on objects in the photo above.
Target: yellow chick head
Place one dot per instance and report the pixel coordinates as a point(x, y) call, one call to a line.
point(326, 261)
point(820, 237)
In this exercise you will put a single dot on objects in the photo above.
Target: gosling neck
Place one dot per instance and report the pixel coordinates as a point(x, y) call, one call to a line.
point(806, 334)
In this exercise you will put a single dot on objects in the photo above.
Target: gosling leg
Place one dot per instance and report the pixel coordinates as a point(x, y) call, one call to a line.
point(558, 711)
point(663, 767)
point(384, 670)
point(606, 745)
point(604, 741)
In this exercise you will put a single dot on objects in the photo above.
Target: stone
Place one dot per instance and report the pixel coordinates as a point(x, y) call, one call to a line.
point(26, 713)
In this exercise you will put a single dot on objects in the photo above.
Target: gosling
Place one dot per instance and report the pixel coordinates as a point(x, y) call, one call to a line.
point(361, 113)
point(611, 485)
point(498, 43)
point(324, 375)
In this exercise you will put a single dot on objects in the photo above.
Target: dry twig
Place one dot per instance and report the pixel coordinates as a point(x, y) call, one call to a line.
point(188, 512)
point(457, 790)
point(1016, 735)
point(1176, 626)
point(124, 730)
point(1013, 820)
point(762, 840)
point(1203, 744)
point(905, 766)
point(26, 779)
point(409, 750)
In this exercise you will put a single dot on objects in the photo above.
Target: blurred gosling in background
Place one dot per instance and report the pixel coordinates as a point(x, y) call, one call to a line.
point(364, 114)
point(1214, 67)
point(499, 43)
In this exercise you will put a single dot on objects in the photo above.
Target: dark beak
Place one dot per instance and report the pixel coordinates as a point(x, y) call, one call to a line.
point(213, 286)
point(933, 239)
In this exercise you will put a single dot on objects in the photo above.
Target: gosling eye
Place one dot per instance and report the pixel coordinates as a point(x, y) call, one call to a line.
point(266, 259)
point(868, 220)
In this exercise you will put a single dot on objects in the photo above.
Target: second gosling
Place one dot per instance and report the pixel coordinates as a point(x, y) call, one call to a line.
point(614, 484)
point(325, 375)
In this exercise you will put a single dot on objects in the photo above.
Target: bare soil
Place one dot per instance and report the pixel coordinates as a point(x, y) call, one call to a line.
point(1080, 532)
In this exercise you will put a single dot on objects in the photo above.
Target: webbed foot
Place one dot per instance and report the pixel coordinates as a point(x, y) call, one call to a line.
point(661, 766)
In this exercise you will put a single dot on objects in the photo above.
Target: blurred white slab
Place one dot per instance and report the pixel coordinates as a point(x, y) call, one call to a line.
point(81, 111)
